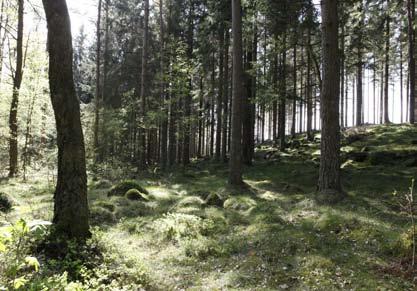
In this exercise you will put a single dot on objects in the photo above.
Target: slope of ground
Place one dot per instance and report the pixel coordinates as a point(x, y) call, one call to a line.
point(272, 235)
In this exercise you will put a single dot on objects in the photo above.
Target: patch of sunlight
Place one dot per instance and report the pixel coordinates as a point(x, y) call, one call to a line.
point(160, 193)
point(270, 196)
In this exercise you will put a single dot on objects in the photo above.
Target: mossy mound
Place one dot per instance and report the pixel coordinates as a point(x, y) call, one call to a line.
point(6, 203)
point(124, 186)
point(136, 195)
point(190, 201)
point(239, 203)
point(103, 184)
point(106, 205)
point(134, 209)
point(101, 216)
point(214, 199)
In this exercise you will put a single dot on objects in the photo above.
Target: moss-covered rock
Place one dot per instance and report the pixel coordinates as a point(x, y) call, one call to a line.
point(136, 195)
point(124, 186)
point(101, 216)
point(239, 203)
point(6, 203)
point(106, 205)
point(103, 184)
point(214, 199)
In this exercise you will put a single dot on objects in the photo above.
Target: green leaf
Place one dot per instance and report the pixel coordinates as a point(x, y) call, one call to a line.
point(33, 262)
point(19, 282)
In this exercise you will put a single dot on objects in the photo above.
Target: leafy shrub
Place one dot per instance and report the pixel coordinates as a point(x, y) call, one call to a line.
point(6, 203)
point(100, 215)
point(136, 195)
point(124, 186)
point(18, 265)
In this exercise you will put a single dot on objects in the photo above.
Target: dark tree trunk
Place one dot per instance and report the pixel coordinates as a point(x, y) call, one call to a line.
point(219, 108)
point(71, 205)
point(164, 123)
point(309, 91)
point(411, 8)
point(235, 167)
point(144, 88)
point(294, 100)
point(247, 108)
point(226, 96)
point(329, 174)
point(98, 83)
point(17, 81)
point(283, 99)
point(387, 59)
point(188, 97)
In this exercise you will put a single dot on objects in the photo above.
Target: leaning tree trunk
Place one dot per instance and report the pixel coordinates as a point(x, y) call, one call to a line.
point(17, 81)
point(235, 167)
point(71, 205)
point(329, 174)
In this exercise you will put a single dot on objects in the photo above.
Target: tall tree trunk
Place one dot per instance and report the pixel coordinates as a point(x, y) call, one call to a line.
point(188, 98)
point(164, 122)
point(411, 8)
point(387, 59)
point(247, 109)
point(226, 96)
point(98, 83)
point(329, 173)
point(359, 90)
point(17, 81)
point(144, 88)
point(235, 167)
point(219, 107)
point(294, 92)
point(71, 205)
point(283, 98)
point(309, 91)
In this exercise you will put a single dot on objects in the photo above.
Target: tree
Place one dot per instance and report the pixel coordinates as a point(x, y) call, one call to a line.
point(235, 167)
point(329, 173)
point(70, 199)
point(411, 8)
point(98, 82)
point(17, 82)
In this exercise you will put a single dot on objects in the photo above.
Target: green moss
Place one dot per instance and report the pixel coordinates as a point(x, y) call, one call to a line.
point(101, 216)
point(136, 195)
point(124, 186)
point(106, 205)
point(239, 203)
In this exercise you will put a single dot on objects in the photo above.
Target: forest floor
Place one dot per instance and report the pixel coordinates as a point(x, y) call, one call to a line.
point(271, 236)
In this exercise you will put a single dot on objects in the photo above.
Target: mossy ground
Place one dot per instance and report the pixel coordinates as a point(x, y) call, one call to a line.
point(271, 236)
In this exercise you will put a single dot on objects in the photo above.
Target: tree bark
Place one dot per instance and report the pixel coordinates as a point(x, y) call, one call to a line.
point(17, 81)
point(235, 167)
point(71, 206)
point(329, 173)
point(387, 59)
point(98, 83)
point(411, 8)
point(226, 96)
point(144, 88)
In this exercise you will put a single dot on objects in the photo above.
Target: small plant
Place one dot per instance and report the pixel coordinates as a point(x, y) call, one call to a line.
point(408, 206)
point(18, 265)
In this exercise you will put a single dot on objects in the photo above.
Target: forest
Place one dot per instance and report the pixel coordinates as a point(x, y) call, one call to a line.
point(208, 145)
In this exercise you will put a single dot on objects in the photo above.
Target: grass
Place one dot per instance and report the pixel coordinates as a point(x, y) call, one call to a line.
point(274, 236)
